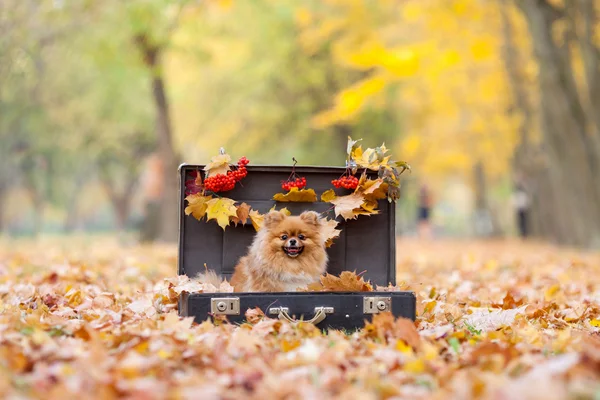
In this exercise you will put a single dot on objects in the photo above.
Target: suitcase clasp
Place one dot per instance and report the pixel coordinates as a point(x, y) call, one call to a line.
point(225, 305)
point(375, 305)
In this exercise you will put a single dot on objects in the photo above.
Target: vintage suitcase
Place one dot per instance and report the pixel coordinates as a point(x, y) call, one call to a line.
point(365, 244)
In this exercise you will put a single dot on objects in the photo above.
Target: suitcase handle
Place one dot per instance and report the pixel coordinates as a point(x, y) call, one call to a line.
point(320, 314)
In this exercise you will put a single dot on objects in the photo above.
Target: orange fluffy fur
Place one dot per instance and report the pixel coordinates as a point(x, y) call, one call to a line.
point(269, 268)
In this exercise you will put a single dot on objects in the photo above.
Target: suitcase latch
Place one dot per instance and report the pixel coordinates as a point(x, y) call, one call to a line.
point(225, 305)
point(375, 305)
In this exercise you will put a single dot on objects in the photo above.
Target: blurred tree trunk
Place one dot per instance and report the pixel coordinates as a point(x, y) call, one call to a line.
point(121, 202)
point(72, 217)
point(528, 161)
point(587, 19)
point(168, 221)
point(37, 203)
point(573, 152)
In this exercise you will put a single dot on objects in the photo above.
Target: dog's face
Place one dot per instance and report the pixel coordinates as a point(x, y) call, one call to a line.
point(294, 236)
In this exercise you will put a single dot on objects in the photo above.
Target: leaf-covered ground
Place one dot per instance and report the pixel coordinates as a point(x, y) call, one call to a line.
point(88, 318)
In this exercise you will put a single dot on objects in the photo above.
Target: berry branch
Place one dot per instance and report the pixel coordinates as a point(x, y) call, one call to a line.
point(294, 180)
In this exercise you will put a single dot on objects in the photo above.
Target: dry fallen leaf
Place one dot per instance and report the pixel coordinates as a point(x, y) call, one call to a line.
point(328, 195)
point(345, 205)
point(197, 205)
point(82, 316)
point(295, 195)
point(257, 219)
point(329, 232)
point(242, 213)
point(346, 282)
point(218, 165)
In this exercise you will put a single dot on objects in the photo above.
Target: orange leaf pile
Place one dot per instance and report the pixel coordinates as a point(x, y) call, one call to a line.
point(496, 320)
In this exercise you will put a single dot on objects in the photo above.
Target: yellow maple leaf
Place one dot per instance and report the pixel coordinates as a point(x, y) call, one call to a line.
point(241, 214)
point(329, 232)
point(197, 205)
point(221, 209)
point(345, 205)
point(595, 323)
point(257, 219)
point(218, 165)
point(295, 195)
point(328, 195)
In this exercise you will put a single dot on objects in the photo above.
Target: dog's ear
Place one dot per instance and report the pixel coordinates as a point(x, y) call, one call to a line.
point(273, 218)
point(311, 217)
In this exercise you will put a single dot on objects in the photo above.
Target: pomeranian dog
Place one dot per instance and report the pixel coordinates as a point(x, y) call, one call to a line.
point(287, 253)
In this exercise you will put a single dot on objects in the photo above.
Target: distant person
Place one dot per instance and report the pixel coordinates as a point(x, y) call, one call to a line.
point(521, 204)
point(424, 212)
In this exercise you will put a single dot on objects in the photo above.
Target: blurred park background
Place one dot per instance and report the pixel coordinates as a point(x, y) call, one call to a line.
point(494, 103)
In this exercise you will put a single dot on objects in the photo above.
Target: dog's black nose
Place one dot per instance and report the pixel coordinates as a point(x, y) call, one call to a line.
point(293, 242)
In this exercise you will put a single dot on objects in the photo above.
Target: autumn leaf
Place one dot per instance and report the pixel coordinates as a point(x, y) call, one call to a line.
point(328, 195)
point(283, 210)
point(121, 301)
point(218, 165)
point(193, 186)
point(389, 329)
point(373, 190)
point(242, 212)
point(352, 145)
point(257, 219)
point(371, 159)
point(551, 292)
point(295, 195)
point(370, 206)
point(197, 205)
point(345, 205)
point(346, 282)
point(221, 209)
point(370, 185)
point(329, 232)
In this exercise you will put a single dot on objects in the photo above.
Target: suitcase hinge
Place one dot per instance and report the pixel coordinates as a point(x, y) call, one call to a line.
point(375, 305)
point(225, 305)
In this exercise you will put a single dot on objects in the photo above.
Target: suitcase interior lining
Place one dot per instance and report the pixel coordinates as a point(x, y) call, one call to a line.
point(367, 243)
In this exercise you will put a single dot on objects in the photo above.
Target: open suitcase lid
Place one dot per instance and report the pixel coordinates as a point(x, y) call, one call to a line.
point(367, 243)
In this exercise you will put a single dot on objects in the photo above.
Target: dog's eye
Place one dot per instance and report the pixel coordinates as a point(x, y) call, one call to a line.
point(284, 237)
point(301, 237)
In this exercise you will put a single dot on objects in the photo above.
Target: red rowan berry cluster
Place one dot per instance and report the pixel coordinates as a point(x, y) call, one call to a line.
point(294, 181)
point(346, 182)
point(299, 183)
point(224, 183)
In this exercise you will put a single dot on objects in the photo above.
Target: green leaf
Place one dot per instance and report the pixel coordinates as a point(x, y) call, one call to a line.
point(453, 342)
